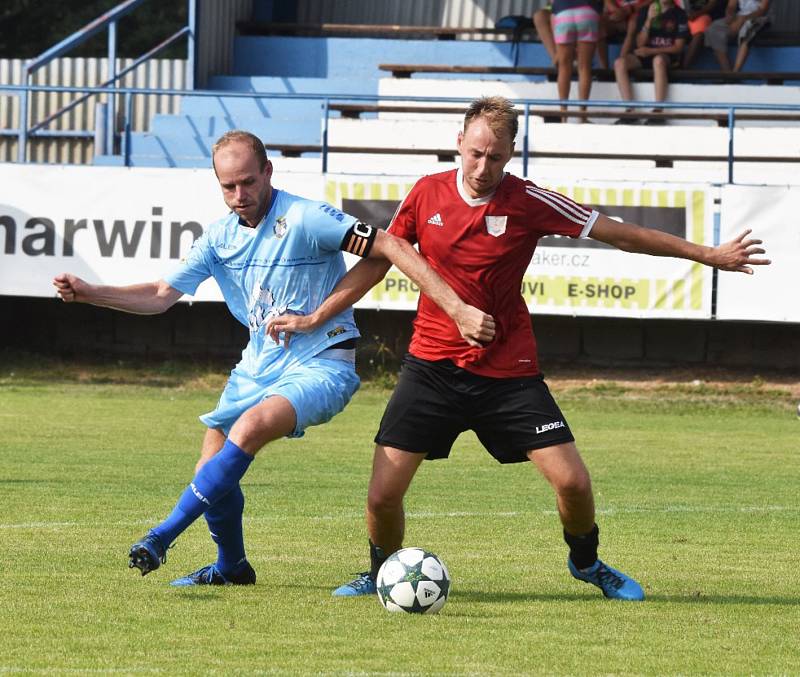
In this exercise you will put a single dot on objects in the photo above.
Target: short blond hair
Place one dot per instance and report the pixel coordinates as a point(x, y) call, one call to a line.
point(238, 135)
point(499, 113)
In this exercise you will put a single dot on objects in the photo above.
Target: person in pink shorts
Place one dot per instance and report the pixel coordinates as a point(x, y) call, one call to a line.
point(575, 23)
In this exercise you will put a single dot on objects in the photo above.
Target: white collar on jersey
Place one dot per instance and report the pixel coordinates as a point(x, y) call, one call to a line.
point(472, 201)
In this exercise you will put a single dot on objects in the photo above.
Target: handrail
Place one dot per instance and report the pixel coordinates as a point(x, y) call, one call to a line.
point(108, 20)
point(327, 99)
point(138, 62)
point(82, 35)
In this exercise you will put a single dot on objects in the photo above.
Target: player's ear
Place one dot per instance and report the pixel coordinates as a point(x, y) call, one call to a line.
point(459, 140)
point(268, 169)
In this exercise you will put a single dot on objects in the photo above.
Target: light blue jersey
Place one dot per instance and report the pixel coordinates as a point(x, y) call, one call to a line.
point(289, 264)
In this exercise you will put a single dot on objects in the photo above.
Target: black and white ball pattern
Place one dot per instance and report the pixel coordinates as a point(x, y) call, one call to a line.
point(413, 580)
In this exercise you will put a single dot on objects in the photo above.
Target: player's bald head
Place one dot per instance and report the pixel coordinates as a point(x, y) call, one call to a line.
point(237, 141)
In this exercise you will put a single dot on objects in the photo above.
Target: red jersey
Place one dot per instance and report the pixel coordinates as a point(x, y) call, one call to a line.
point(482, 248)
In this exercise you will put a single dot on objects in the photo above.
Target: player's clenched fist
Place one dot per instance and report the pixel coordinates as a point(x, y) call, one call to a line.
point(69, 287)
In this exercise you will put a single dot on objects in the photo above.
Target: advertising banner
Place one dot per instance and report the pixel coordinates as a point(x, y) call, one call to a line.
point(771, 293)
point(576, 277)
point(109, 225)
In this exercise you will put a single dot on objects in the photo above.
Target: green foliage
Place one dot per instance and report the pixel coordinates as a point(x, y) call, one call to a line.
point(698, 505)
point(29, 27)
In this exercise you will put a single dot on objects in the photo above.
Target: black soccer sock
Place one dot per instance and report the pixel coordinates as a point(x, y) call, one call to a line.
point(583, 549)
point(376, 558)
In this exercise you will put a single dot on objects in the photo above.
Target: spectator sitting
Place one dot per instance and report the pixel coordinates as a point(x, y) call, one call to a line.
point(618, 18)
point(663, 29)
point(701, 13)
point(743, 18)
point(542, 20)
point(575, 22)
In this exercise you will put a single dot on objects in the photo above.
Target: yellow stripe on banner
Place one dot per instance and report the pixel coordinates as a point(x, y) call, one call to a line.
point(663, 198)
point(563, 190)
point(407, 189)
point(661, 295)
point(680, 199)
point(359, 191)
point(698, 216)
point(594, 197)
point(696, 291)
point(611, 198)
point(393, 191)
point(679, 294)
point(646, 198)
point(627, 198)
point(330, 192)
point(578, 195)
point(344, 189)
point(376, 191)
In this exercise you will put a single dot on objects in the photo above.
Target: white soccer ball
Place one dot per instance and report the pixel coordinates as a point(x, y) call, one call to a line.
point(413, 580)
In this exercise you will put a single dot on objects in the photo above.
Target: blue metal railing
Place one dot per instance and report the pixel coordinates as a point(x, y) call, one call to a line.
point(730, 108)
point(107, 21)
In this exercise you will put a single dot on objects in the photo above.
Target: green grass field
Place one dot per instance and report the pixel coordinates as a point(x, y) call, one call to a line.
point(696, 491)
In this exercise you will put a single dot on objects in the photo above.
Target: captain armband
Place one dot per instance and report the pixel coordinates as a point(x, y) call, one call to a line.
point(358, 239)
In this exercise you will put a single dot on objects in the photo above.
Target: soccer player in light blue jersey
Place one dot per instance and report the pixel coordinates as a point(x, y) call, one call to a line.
point(273, 254)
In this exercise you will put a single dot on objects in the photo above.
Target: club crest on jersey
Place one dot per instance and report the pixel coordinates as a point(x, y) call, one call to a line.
point(496, 225)
point(280, 227)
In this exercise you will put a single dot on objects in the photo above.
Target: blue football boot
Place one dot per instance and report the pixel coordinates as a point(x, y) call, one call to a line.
point(363, 585)
point(210, 575)
point(148, 554)
point(613, 583)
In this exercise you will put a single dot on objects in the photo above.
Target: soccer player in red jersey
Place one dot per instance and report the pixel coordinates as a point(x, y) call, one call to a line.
point(478, 227)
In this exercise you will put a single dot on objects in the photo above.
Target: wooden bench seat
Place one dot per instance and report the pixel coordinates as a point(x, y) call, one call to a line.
point(683, 75)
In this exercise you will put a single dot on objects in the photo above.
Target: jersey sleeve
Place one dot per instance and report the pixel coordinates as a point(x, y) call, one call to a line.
point(325, 226)
point(195, 268)
point(404, 221)
point(552, 213)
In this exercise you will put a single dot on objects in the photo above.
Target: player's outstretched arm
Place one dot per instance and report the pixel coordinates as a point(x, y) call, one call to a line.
point(148, 298)
point(737, 255)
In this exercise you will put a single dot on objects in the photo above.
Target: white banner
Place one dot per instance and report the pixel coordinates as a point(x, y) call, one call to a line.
point(773, 292)
point(108, 225)
point(576, 277)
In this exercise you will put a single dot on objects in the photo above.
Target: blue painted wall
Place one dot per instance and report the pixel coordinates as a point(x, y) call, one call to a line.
point(321, 57)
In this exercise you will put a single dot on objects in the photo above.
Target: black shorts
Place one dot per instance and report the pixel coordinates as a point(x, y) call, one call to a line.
point(436, 401)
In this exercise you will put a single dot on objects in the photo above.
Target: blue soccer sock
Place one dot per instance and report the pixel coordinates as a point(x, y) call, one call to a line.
point(224, 520)
point(216, 478)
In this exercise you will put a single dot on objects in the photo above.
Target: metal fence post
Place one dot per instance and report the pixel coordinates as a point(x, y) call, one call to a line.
point(22, 136)
point(731, 124)
point(191, 44)
point(100, 120)
point(325, 136)
point(126, 134)
point(111, 111)
point(525, 139)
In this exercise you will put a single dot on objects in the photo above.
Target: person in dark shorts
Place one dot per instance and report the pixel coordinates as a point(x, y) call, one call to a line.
point(663, 30)
point(478, 227)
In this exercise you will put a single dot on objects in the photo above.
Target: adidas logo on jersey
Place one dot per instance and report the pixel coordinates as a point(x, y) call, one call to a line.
point(436, 220)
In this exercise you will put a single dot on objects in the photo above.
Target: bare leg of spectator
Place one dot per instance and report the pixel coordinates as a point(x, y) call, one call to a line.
point(565, 55)
point(741, 56)
point(691, 51)
point(660, 76)
point(723, 59)
point(585, 56)
point(542, 21)
point(622, 66)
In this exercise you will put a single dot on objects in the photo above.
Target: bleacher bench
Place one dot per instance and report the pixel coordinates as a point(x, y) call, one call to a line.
point(402, 70)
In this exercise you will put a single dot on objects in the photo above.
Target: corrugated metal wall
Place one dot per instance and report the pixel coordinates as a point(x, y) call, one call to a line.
point(78, 72)
point(216, 28)
point(457, 13)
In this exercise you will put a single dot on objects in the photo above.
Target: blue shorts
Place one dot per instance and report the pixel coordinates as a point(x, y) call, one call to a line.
point(317, 390)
